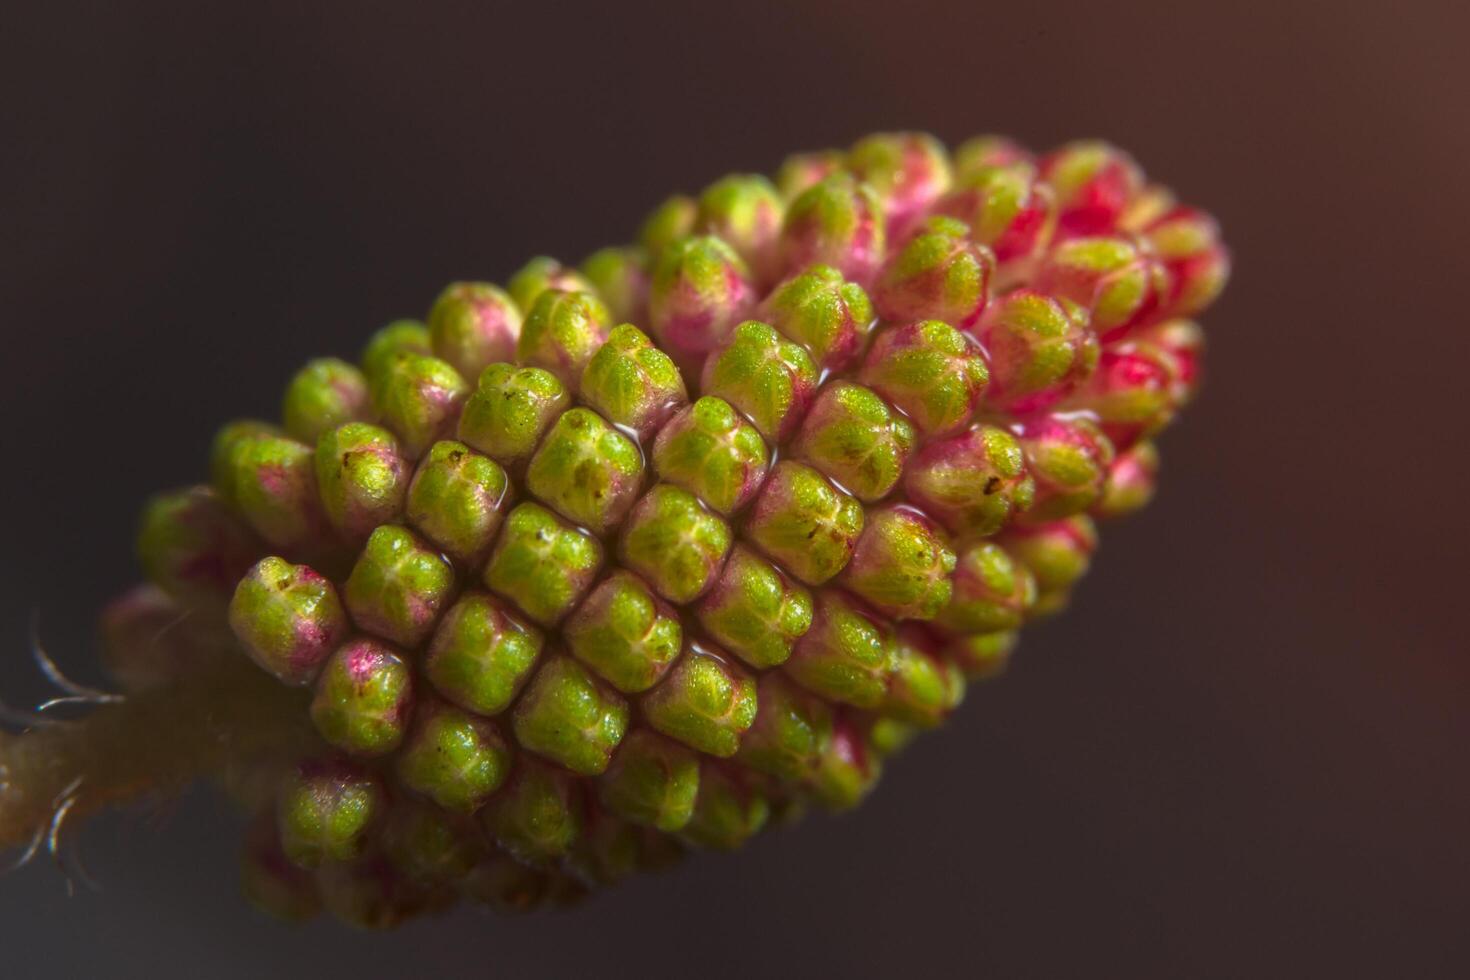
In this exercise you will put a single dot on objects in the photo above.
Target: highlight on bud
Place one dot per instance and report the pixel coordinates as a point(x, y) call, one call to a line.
point(1041, 348)
point(838, 222)
point(701, 289)
point(288, 618)
point(940, 274)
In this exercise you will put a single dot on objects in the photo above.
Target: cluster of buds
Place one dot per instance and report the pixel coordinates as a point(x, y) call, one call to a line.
point(631, 557)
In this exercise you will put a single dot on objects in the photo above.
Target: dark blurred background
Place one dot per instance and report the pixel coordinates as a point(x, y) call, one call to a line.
point(1240, 754)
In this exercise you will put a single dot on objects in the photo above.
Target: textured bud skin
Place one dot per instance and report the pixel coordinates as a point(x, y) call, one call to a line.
point(323, 395)
point(853, 437)
point(454, 758)
point(1040, 349)
point(325, 810)
point(456, 501)
point(587, 470)
point(805, 523)
point(363, 698)
point(570, 717)
point(902, 564)
point(1187, 242)
point(933, 373)
point(561, 333)
point(939, 275)
point(1132, 480)
point(268, 878)
point(837, 222)
point(763, 375)
point(1133, 392)
point(909, 171)
point(923, 687)
point(473, 325)
point(711, 451)
point(745, 211)
point(827, 315)
point(192, 547)
point(419, 398)
point(728, 811)
point(481, 655)
point(701, 289)
point(984, 152)
point(707, 702)
point(362, 478)
point(982, 656)
point(790, 733)
point(972, 483)
point(675, 543)
point(845, 656)
point(619, 275)
point(398, 587)
point(632, 383)
point(539, 275)
point(539, 815)
point(624, 633)
point(398, 337)
point(801, 171)
point(652, 781)
point(1118, 281)
point(755, 611)
point(847, 771)
point(992, 592)
point(1008, 209)
point(1094, 183)
point(1057, 554)
point(511, 408)
point(668, 223)
point(222, 449)
point(288, 618)
point(541, 564)
point(272, 483)
point(1068, 457)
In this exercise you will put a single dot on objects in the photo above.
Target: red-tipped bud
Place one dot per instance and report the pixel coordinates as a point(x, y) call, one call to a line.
point(701, 290)
point(940, 274)
point(1008, 209)
point(1118, 280)
point(1040, 349)
point(1134, 393)
point(908, 170)
point(1095, 183)
point(1187, 242)
point(837, 222)
point(1068, 458)
point(1131, 482)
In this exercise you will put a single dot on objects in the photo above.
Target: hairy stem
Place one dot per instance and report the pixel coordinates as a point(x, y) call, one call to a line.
point(158, 740)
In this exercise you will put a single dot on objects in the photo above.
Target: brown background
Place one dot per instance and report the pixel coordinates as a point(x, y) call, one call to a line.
point(1241, 754)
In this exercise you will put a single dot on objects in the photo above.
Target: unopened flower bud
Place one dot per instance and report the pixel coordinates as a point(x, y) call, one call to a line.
point(472, 325)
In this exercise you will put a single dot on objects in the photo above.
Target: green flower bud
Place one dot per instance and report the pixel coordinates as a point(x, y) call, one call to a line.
point(984, 152)
point(1120, 282)
point(745, 211)
point(847, 654)
point(763, 375)
point(652, 781)
point(454, 758)
point(924, 687)
point(561, 333)
point(1057, 554)
point(711, 451)
point(889, 736)
point(362, 478)
point(805, 523)
point(706, 702)
point(1009, 209)
point(827, 315)
point(909, 172)
point(271, 481)
point(938, 275)
point(837, 222)
point(398, 337)
point(931, 371)
point(473, 325)
point(570, 717)
point(539, 816)
point(268, 878)
point(755, 611)
point(481, 655)
point(398, 587)
point(1132, 480)
point(675, 543)
point(728, 810)
point(288, 618)
point(847, 771)
point(1069, 460)
point(325, 811)
point(667, 223)
point(700, 290)
point(323, 395)
point(620, 277)
point(992, 592)
point(800, 171)
point(587, 470)
point(853, 437)
point(1040, 350)
point(222, 450)
point(902, 564)
point(632, 383)
point(419, 398)
point(363, 698)
point(972, 483)
point(541, 274)
point(508, 412)
point(624, 633)
point(982, 656)
point(456, 501)
point(192, 546)
point(542, 564)
point(790, 733)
